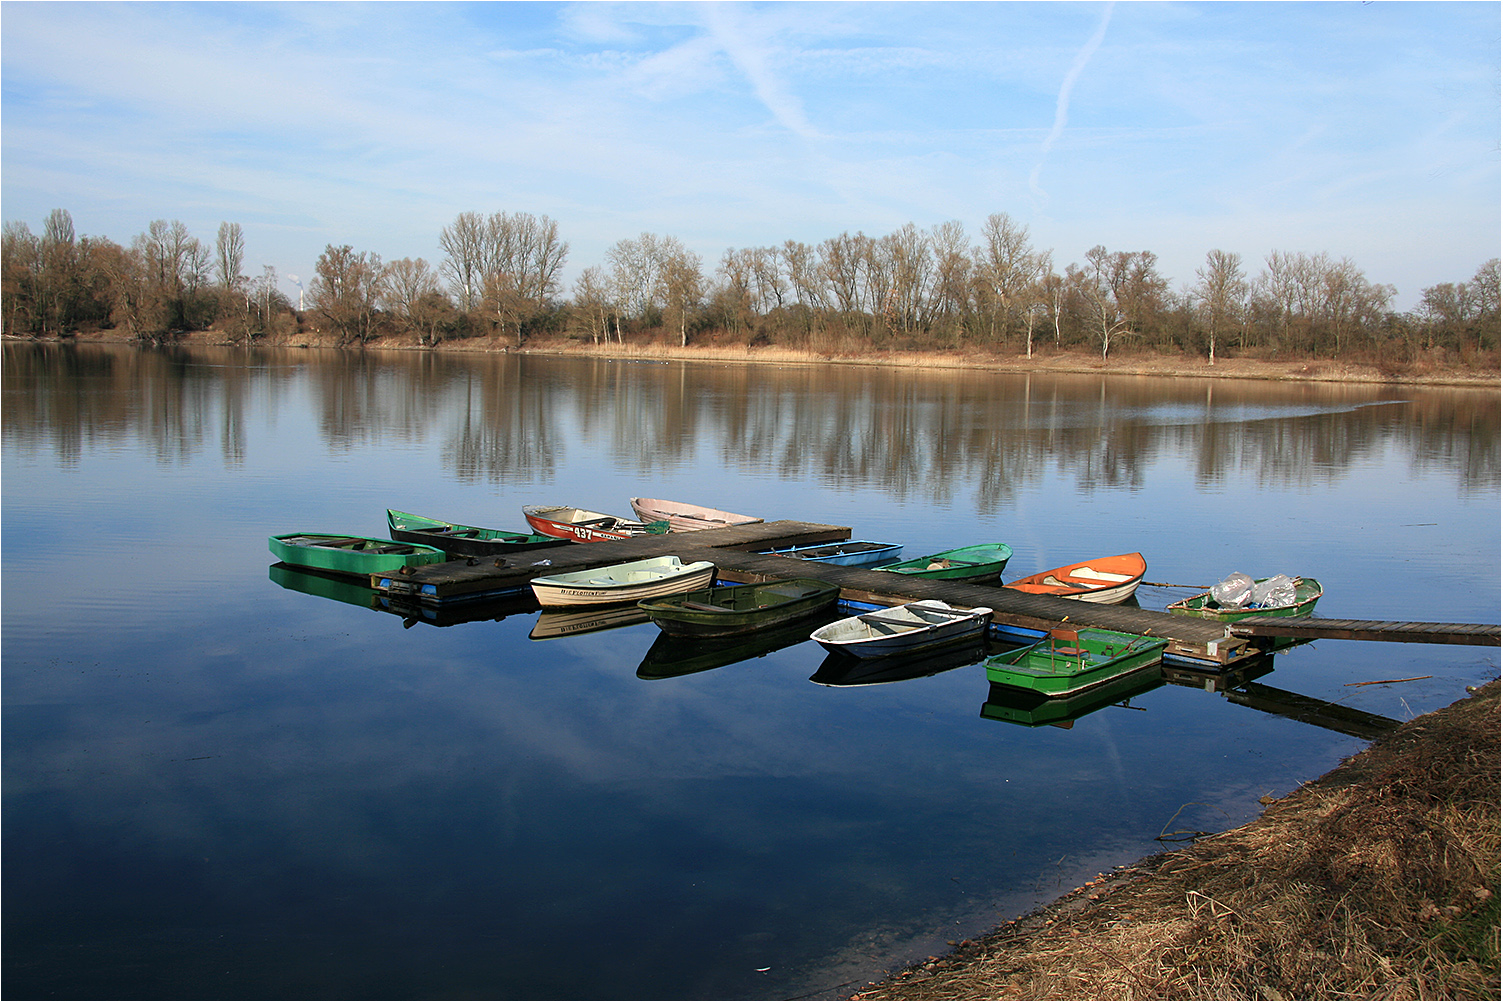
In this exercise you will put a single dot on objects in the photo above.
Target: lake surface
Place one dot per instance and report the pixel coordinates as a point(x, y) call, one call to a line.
point(219, 782)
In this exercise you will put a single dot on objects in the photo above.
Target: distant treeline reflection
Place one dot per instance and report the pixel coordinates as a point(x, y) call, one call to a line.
point(915, 434)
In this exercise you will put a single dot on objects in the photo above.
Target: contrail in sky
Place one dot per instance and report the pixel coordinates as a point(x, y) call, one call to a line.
point(1062, 104)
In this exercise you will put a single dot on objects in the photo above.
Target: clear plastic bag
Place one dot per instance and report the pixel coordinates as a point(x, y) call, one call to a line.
point(1276, 591)
point(1233, 591)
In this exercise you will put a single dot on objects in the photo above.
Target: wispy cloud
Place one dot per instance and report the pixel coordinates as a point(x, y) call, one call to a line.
point(1062, 103)
point(741, 38)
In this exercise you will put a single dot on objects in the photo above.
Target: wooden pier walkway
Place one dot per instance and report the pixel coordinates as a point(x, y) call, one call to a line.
point(732, 551)
point(1310, 628)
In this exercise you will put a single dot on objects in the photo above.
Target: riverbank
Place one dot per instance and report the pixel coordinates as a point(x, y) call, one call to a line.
point(1427, 371)
point(1380, 880)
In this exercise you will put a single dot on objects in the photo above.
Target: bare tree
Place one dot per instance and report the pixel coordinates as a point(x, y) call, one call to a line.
point(1099, 283)
point(680, 273)
point(1003, 267)
point(345, 290)
point(592, 301)
point(735, 296)
point(464, 243)
point(408, 292)
point(1221, 291)
point(229, 258)
point(634, 277)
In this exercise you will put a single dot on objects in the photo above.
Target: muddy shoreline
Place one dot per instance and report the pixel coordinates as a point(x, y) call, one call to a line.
point(1126, 362)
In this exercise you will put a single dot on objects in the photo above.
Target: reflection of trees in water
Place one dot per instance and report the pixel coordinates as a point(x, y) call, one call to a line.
point(923, 433)
point(496, 423)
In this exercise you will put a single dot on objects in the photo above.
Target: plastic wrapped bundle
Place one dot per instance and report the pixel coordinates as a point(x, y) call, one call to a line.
point(1275, 591)
point(1234, 591)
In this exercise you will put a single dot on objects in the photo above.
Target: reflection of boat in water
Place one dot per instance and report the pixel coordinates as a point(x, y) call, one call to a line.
point(324, 584)
point(680, 656)
point(727, 610)
point(847, 670)
point(331, 585)
point(567, 623)
point(412, 611)
point(1033, 709)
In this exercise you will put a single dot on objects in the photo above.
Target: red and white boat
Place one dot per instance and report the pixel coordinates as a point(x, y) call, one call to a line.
point(585, 526)
point(682, 516)
point(1103, 580)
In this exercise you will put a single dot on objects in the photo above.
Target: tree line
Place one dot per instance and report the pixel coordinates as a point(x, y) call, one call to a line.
point(913, 288)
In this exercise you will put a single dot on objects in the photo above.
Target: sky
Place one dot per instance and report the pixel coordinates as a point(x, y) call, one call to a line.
point(1368, 131)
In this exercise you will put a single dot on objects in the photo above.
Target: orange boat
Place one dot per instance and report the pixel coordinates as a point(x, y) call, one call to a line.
point(1103, 580)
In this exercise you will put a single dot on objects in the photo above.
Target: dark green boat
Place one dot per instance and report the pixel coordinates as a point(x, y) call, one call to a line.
point(981, 563)
point(1069, 661)
point(463, 541)
point(726, 610)
point(1306, 592)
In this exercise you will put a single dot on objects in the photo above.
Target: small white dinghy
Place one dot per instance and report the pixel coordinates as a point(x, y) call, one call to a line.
point(899, 629)
point(623, 583)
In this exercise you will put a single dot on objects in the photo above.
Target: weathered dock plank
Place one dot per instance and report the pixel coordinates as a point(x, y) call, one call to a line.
point(1368, 630)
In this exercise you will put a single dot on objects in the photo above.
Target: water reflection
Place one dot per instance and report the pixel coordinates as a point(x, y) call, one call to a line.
point(845, 670)
point(568, 623)
point(911, 433)
point(672, 656)
point(1236, 683)
point(411, 611)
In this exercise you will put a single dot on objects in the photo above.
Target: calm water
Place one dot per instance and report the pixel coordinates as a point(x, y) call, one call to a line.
point(219, 784)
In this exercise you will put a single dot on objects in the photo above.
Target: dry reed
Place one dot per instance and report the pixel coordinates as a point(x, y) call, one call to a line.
point(1379, 881)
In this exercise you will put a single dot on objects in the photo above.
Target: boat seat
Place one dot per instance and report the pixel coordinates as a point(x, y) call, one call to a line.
point(1101, 576)
point(892, 621)
point(706, 607)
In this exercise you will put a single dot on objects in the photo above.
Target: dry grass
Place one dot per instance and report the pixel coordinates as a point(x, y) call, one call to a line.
point(1380, 881)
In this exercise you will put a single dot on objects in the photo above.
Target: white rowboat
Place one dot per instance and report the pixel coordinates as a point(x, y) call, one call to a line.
point(623, 583)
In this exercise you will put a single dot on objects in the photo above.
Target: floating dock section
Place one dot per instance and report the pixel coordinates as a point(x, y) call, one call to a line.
point(733, 550)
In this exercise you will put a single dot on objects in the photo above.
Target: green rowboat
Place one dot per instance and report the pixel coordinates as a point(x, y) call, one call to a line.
point(1069, 661)
point(981, 563)
point(1306, 592)
point(727, 610)
point(357, 556)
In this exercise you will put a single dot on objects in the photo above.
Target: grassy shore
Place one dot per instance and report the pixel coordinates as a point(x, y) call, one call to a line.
point(1378, 881)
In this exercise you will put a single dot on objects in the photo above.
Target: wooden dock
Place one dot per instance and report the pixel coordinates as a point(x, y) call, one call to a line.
point(1312, 628)
point(732, 551)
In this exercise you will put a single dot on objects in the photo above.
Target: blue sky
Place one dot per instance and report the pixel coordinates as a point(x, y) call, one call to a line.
point(1361, 130)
